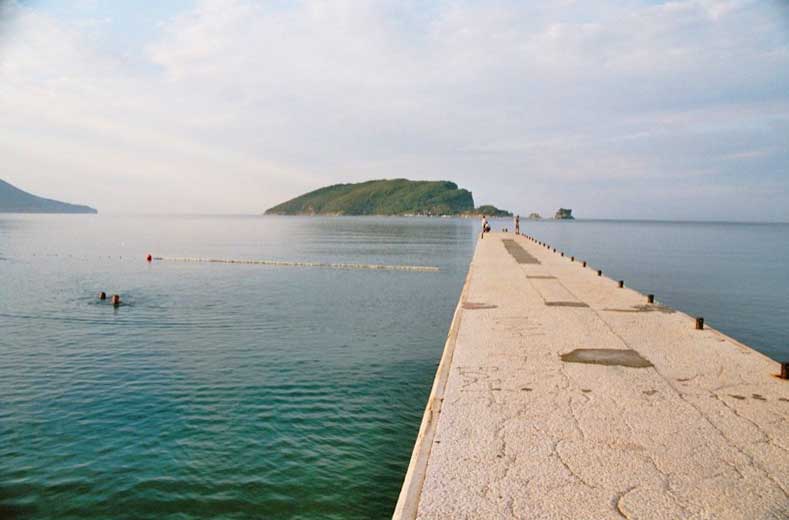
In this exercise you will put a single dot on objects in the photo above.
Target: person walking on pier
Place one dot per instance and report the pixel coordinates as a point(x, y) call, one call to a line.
point(485, 226)
point(517, 224)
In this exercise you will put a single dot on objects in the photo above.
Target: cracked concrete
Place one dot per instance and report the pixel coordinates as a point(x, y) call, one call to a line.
point(702, 434)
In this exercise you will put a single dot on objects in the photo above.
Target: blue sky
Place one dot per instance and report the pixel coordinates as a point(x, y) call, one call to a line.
point(617, 109)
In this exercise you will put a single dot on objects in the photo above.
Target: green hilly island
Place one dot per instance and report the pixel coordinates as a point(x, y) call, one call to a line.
point(386, 197)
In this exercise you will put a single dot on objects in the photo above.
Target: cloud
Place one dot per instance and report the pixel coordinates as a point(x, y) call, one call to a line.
point(234, 105)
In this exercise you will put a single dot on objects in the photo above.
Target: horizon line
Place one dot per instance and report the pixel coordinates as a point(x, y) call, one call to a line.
point(523, 219)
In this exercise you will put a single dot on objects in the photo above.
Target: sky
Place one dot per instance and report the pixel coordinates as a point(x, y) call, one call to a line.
point(614, 108)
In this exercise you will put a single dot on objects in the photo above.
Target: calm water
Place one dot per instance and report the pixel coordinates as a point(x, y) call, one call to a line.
point(219, 391)
point(243, 391)
point(735, 275)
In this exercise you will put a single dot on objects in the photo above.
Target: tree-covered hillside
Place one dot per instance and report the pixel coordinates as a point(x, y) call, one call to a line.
point(492, 211)
point(381, 197)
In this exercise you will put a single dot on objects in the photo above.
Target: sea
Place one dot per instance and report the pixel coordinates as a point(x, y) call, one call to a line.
point(239, 391)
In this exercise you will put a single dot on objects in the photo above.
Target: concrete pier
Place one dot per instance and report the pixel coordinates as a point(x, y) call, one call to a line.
point(561, 395)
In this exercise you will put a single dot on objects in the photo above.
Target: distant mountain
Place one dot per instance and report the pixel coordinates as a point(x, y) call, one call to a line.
point(382, 197)
point(14, 200)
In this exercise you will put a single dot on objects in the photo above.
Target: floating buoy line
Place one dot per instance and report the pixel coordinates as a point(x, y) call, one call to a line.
point(285, 263)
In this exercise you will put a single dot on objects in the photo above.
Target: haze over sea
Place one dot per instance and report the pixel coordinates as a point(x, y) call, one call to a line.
point(248, 391)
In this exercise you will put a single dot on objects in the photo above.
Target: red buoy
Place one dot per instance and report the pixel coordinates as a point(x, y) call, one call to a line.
point(150, 258)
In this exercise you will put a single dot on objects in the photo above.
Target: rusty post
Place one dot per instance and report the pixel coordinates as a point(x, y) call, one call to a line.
point(699, 323)
point(621, 283)
point(784, 370)
point(599, 272)
point(650, 298)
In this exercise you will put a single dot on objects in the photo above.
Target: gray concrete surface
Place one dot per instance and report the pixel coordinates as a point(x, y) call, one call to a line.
point(679, 423)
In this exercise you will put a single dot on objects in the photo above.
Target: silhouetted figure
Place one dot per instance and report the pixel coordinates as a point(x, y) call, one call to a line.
point(102, 296)
point(116, 300)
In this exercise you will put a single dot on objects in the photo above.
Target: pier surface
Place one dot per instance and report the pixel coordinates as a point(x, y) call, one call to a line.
point(561, 395)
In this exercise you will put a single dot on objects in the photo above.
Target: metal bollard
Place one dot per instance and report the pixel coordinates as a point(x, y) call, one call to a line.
point(621, 283)
point(599, 272)
point(699, 323)
point(650, 298)
point(784, 370)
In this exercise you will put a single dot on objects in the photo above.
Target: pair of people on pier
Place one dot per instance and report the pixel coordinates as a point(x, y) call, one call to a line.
point(486, 225)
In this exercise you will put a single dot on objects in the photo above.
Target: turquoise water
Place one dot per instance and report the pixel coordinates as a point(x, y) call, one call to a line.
point(218, 391)
point(247, 391)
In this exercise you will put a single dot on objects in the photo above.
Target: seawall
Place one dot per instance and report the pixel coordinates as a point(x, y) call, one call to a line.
point(561, 394)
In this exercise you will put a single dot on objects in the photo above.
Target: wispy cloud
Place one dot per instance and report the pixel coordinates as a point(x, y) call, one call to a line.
point(232, 105)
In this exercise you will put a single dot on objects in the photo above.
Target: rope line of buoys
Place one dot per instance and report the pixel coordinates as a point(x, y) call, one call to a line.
point(285, 263)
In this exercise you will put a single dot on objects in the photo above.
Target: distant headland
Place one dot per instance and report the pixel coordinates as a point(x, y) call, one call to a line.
point(14, 200)
point(399, 197)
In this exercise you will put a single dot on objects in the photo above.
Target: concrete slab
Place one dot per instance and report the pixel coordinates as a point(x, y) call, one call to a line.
point(513, 431)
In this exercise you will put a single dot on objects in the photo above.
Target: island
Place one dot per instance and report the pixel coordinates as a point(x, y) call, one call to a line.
point(564, 214)
point(14, 200)
point(491, 211)
point(401, 197)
